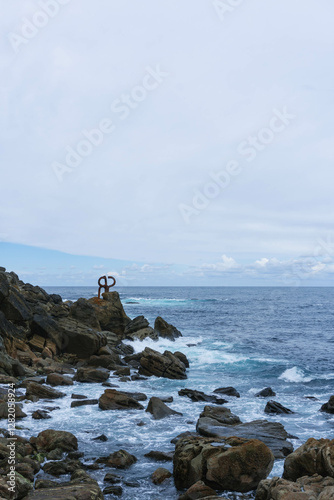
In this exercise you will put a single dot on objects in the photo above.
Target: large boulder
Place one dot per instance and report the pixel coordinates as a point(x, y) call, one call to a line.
point(88, 374)
point(80, 339)
point(305, 488)
point(159, 409)
point(329, 406)
point(120, 459)
point(313, 457)
point(43, 391)
point(219, 414)
point(83, 311)
point(116, 400)
point(166, 330)
point(226, 464)
point(272, 434)
point(161, 365)
point(110, 313)
point(50, 439)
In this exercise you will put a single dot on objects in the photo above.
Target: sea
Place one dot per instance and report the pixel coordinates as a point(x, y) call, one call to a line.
point(246, 337)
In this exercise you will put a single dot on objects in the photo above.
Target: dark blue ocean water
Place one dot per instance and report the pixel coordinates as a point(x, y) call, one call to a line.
point(249, 338)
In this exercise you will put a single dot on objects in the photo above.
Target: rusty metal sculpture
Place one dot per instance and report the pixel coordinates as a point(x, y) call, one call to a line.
point(105, 286)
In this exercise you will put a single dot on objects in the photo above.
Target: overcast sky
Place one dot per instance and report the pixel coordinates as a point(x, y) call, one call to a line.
point(169, 142)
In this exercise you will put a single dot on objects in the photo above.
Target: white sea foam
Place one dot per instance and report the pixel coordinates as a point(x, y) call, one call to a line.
point(294, 374)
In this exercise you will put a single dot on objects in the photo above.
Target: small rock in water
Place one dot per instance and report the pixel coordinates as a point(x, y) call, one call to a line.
point(78, 396)
point(329, 406)
point(120, 459)
point(160, 456)
point(196, 396)
point(228, 391)
point(84, 402)
point(100, 438)
point(112, 478)
point(159, 410)
point(40, 414)
point(160, 475)
point(113, 490)
point(274, 407)
point(265, 393)
point(198, 490)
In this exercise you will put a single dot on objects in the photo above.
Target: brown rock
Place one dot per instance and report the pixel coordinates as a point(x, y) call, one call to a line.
point(221, 415)
point(50, 439)
point(57, 379)
point(43, 391)
point(166, 330)
point(305, 488)
point(116, 400)
point(110, 313)
point(313, 457)
point(197, 491)
point(229, 464)
point(160, 475)
point(91, 375)
point(19, 413)
point(161, 365)
point(120, 459)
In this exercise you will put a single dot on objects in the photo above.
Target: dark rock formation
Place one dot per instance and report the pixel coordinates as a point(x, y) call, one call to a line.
point(275, 408)
point(200, 396)
point(161, 365)
point(160, 456)
point(272, 434)
point(43, 391)
point(228, 464)
point(221, 415)
point(91, 375)
point(84, 402)
point(228, 391)
point(265, 393)
point(110, 313)
point(166, 330)
point(159, 410)
point(329, 406)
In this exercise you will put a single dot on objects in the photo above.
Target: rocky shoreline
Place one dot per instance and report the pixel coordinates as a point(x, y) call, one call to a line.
point(46, 344)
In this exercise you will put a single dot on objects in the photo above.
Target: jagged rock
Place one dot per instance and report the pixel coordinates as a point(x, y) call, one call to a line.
point(197, 491)
point(15, 307)
point(228, 391)
point(305, 488)
point(80, 488)
point(221, 415)
point(84, 402)
point(161, 365)
point(47, 327)
point(40, 415)
point(115, 400)
point(91, 375)
point(159, 410)
point(110, 361)
point(59, 468)
point(313, 457)
point(182, 357)
point(43, 391)
point(160, 456)
point(138, 396)
point(4, 287)
point(57, 379)
point(138, 323)
point(19, 413)
point(160, 475)
point(102, 438)
point(275, 408)
point(83, 311)
point(37, 380)
point(113, 490)
point(110, 313)
point(272, 434)
point(120, 459)
point(112, 478)
point(50, 439)
point(166, 330)
point(329, 406)
point(200, 396)
point(232, 464)
point(265, 393)
point(143, 334)
point(79, 339)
